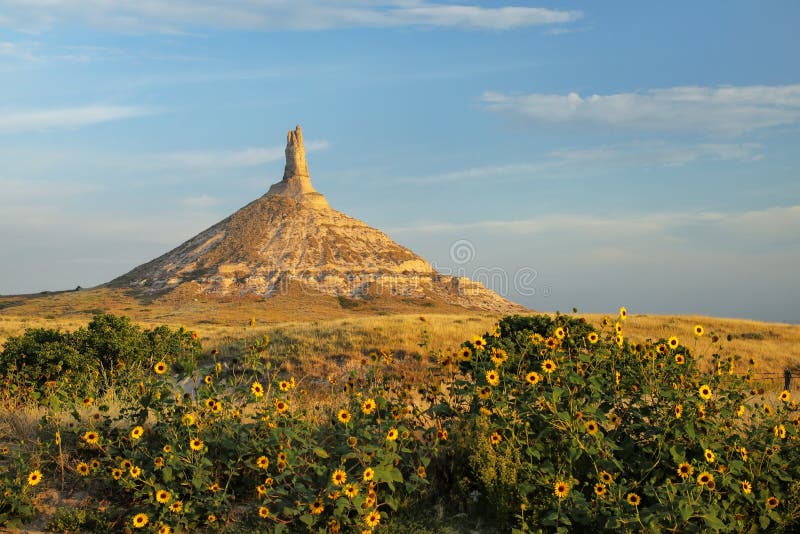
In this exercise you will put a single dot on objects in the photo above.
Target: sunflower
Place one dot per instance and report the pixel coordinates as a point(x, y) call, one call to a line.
point(533, 378)
point(257, 389)
point(137, 432)
point(551, 342)
point(208, 379)
point(633, 499)
point(284, 385)
point(282, 457)
point(698, 330)
point(281, 406)
point(88, 401)
point(600, 490)
point(82, 469)
point(743, 452)
point(740, 411)
point(217, 407)
point(215, 487)
point(262, 462)
point(135, 471)
point(710, 457)
point(678, 411)
point(464, 354)
point(160, 368)
point(116, 473)
point(344, 416)
point(623, 313)
point(591, 427)
point(263, 512)
point(561, 489)
point(619, 340)
point(34, 477)
point(673, 342)
point(316, 507)
point(339, 477)
point(421, 471)
point(167, 449)
point(368, 475)
point(685, 470)
point(746, 487)
point(485, 392)
point(495, 438)
point(785, 396)
point(493, 377)
point(372, 519)
point(780, 431)
point(211, 518)
point(773, 502)
point(679, 359)
point(392, 434)
point(606, 478)
point(548, 366)
point(368, 406)
point(164, 529)
point(163, 496)
point(140, 520)
point(188, 419)
point(196, 444)
point(499, 356)
point(593, 338)
point(704, 478)
point(767, 409)
point(351, 490)
point(560, 333)
point(94, 464)
point(661, 348)
point(705, 392)
point(618, 327)
point(478, 342)
point(176, 507)
point(91, 437)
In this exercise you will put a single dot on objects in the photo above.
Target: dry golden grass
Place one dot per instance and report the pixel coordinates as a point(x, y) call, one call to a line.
point(316, 333)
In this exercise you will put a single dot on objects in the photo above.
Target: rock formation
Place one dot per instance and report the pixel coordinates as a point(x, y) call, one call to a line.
point(291, 238)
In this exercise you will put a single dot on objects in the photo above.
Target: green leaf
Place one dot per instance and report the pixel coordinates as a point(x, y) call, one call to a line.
point(319, 451)
point(308, 519)
point(713, 522)
point(166, 474)
point(686, 510)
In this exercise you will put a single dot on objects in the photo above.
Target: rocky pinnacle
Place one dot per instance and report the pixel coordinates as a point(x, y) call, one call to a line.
point(295, 154)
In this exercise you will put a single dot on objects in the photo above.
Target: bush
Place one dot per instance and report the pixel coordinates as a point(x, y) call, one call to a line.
point(571, 429)
point(109, 352)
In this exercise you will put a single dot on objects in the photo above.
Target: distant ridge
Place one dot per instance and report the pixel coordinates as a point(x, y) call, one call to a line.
point(291, 240)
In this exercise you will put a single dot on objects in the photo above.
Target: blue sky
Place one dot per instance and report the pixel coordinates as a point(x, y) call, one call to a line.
point(587, 154)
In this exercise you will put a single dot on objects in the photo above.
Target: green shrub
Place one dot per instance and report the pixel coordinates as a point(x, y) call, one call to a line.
point(110, 352)
point(570, 429)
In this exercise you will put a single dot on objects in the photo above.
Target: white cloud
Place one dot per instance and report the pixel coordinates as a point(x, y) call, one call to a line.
point(715, 110)
point(222, 159)
point(200, 201)
point(181, 15)
point(561, 163)
point(14, 190)
point(13, 121)
point(660, 154)
point(776, 224)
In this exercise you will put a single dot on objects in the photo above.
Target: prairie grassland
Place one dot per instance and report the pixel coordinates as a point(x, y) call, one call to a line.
point(318, 334)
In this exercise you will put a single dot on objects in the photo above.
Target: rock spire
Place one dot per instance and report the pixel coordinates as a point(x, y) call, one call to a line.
point(296, 181)
point(295, 154)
